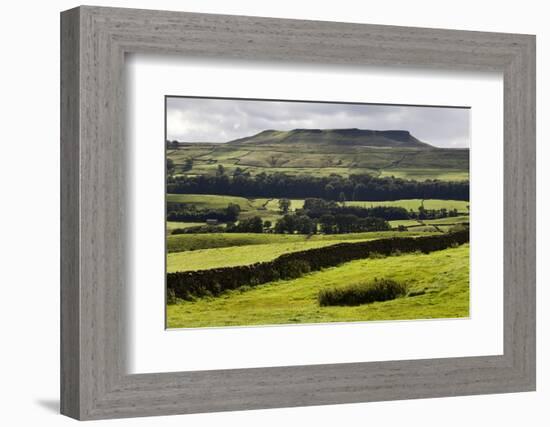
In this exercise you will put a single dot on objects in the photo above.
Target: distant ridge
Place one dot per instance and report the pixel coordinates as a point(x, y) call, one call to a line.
point(352, 136)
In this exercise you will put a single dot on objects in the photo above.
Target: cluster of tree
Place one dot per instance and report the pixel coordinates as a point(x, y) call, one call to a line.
point(316, 208)
point(170, 166)
point(293, 223)
point(433, 213)
point(250, 225)
point(200, 229)
point(329, 224)
point(187, 165)
point(333, 187)
point(348, 223)
point(190, 213)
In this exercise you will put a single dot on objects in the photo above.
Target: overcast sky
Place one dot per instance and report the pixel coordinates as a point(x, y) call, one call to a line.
point(220, 120)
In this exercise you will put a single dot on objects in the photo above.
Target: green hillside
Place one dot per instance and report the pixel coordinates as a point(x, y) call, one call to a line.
point(324, 152)
point(361, 137)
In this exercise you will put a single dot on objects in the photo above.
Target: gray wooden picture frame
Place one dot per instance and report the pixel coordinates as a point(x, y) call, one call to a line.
point(94, 381)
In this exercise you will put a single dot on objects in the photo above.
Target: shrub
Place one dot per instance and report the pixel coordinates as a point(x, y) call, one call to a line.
point(362, 293)
point(376, 255)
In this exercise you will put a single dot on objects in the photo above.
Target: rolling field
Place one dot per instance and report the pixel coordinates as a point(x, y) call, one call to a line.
point(172, 225)
point(296, 156)
point(204, 259)
point(268, 209)
point(459, 205)
point(440, 281)
point(450, 220)
point(193, 242)
point(404, 222)
point(208, 201)
point(234, 255)
point(422, 174)
point(436, 281)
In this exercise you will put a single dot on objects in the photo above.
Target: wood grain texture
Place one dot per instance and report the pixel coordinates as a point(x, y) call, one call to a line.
point(94, 382)
point(70, 314)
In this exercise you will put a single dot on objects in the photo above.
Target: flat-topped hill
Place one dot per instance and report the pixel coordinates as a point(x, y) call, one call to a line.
point(352, 136)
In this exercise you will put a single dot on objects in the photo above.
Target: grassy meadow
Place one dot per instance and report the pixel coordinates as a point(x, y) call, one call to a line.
point(247, 249)
point(295, 157)
point(249, 221)
point(438, 281)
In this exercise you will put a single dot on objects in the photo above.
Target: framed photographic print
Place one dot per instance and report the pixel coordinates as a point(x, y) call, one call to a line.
point(294, 199)
point(262, 213)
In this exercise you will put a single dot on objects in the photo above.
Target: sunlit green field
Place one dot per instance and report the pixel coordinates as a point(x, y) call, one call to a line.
point(173, 225)
point(268, 208)
point(426, 173)
point(449, 220)
point(212, 201)
point(459, 205)
point(323, 158)
point(404, 222)
point(208, 201)
point(193, 242)
point(234, 255)
point(440, 281)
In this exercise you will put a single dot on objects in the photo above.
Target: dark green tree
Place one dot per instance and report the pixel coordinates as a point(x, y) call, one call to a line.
point(284, 205)
point(188, 164)
point(170, 166)
point(342, 198)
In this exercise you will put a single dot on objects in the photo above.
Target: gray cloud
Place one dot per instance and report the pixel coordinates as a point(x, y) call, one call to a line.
point(221, 120)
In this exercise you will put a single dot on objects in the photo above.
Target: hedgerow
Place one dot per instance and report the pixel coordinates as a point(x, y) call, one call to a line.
point(189, 285)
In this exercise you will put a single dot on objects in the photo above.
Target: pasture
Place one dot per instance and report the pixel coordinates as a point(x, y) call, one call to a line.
point(450, 220)
point(413, 204)
point(209, 201)
point(268, 208)
point(230, 256)
point(173, 225)
point(422, 174)
point(321, 163)
point(193, 242)
point(322, 158)
point(439, 282)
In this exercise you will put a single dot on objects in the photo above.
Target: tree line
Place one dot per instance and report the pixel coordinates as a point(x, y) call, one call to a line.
point(190, 213)
point(316, 208)
point(333, 187)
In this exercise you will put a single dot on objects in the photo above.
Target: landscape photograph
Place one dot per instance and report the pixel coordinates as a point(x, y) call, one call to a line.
point(286, 212)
